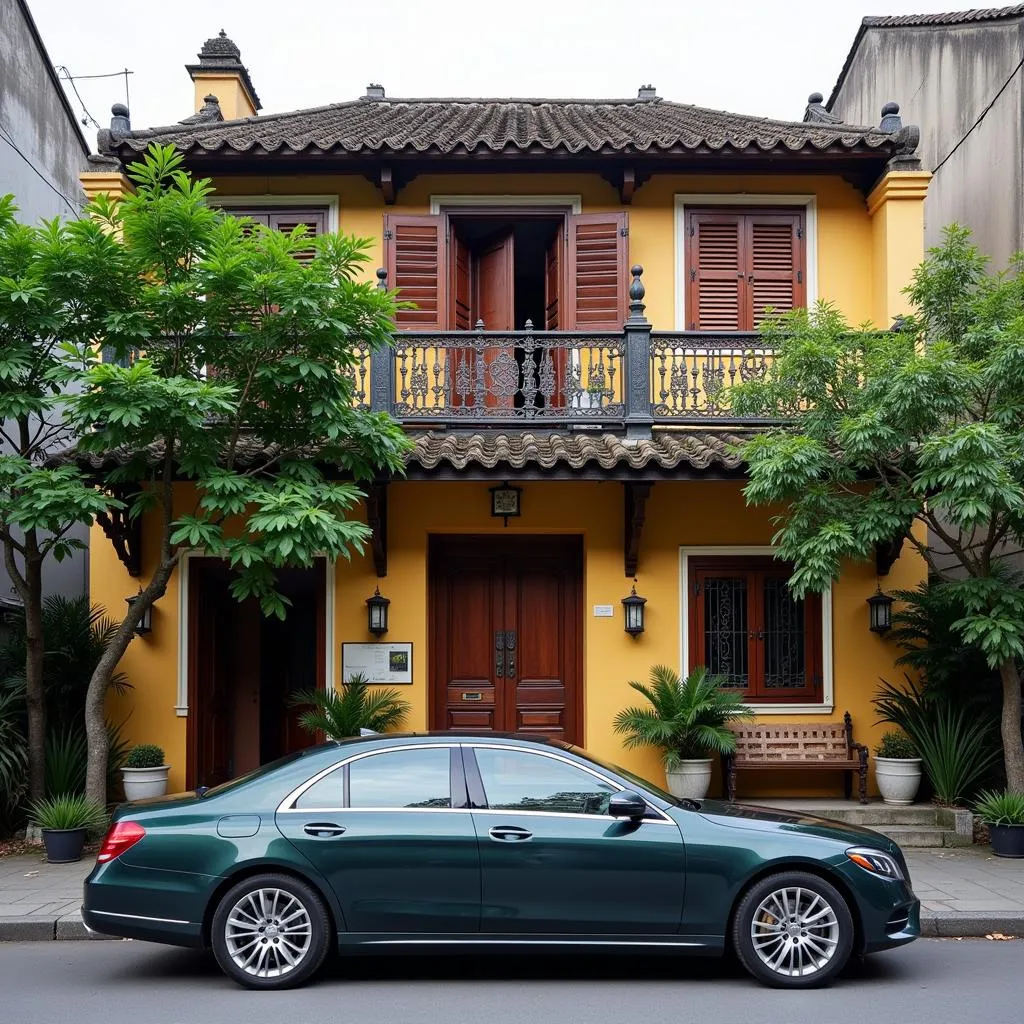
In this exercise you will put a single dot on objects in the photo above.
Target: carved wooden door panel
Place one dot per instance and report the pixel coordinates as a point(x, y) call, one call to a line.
point(505, 635)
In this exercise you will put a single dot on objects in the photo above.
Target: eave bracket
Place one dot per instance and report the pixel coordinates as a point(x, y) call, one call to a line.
point(635, 494)
point(377, 520)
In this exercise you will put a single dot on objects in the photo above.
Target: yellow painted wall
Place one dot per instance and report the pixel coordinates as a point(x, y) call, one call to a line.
point(846, 252)
point(694, 513)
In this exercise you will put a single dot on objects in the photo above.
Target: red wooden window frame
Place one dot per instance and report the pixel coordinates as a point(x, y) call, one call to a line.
point(755, 571)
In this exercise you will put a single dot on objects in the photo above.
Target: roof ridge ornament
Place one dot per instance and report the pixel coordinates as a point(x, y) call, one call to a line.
point(816, 113)
point(907, 138)
point(208, 113)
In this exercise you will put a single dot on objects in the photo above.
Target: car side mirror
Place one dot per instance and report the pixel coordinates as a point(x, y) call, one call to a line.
point(627, 804)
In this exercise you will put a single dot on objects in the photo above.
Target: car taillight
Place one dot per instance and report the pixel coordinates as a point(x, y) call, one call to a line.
point(123, 835)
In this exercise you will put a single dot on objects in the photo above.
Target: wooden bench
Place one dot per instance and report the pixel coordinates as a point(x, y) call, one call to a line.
point(815, 746)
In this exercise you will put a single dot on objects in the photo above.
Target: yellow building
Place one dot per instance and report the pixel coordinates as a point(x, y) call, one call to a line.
point(570, 440)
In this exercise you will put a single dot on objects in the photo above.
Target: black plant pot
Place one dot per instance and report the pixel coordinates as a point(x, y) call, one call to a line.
point(63, 845)
point(1007, 840)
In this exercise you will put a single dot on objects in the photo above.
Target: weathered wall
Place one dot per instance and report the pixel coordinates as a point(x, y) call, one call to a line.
point(35, 118)
point(944, 77)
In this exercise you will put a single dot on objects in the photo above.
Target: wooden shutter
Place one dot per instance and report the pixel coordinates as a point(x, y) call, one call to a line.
point(715, 271)
point(598, 272)
point(415, 259)
point(315, 222)
point(460, 292)
point(775, 263)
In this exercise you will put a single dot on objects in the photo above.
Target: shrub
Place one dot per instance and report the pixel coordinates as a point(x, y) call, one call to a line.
point(896, 744)
point(1005, 808)
point(145, 755)
point(340, 715)
point(687, 718)
point(67, 811)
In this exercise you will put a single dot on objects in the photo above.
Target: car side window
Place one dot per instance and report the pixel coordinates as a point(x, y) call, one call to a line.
point(327, 793)
point(402, 778)
point(517, 780)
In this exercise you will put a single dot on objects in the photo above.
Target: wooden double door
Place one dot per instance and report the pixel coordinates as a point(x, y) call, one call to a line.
point(506, 633)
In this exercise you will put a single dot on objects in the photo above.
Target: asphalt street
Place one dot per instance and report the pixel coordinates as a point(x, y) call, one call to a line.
point(934, 980)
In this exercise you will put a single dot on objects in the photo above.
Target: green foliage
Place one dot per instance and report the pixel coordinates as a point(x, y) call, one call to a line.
point(896, 744)
point(145, 755)
point(915, 432)
point(1004, 808)
point(340, 715)
point(13, 757)
point(67, 811)
point(66, 756)
point(687, 718)
point(956, 749)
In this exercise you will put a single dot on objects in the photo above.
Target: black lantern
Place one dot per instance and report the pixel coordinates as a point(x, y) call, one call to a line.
point(377, 609)
point(145, 624)
point(880, 610)
point(505, 501)
point(633, 606)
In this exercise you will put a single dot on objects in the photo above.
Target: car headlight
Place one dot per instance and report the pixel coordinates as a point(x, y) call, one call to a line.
point(875, 861)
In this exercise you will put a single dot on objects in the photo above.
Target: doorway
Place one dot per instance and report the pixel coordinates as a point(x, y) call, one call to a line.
point(506, 635)
point(243, 669)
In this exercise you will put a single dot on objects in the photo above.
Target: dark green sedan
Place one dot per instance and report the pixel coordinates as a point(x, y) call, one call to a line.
point(420, 843)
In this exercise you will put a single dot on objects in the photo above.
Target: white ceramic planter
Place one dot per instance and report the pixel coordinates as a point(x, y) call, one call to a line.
point(142, 783)
point(898, 779)
point(690, 779)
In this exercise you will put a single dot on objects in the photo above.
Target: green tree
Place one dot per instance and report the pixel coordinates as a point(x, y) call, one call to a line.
point(53, 287)
point(914, 433)
point(234, 368)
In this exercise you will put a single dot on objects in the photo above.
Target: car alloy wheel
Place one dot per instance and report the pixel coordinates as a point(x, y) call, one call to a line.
point(793, 930)
point(270, 931)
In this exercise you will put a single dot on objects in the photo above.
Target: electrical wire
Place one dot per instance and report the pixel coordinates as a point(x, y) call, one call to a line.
point(981, 116)
point(69, 78)
point(64, 74)
point(5, 135)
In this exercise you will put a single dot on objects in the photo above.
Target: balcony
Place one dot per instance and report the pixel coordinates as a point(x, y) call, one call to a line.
point(629, 380)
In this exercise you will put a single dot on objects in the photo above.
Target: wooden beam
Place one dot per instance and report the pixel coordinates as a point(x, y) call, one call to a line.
point(124, 533)
point(387, 186)
point(635, 494)
point(886, 553)
point(628, 186)
point(377, 520)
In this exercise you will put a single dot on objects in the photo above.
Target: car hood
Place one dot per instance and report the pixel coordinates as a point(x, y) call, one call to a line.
point(773, 819)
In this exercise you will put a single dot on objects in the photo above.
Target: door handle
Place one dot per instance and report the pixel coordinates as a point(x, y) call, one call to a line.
point(499, 654)
point(509, 834)
point(323, 830)
point(510, 654)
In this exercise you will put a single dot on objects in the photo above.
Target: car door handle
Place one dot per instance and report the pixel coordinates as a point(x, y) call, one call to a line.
point(323, 830)
point(509, 834)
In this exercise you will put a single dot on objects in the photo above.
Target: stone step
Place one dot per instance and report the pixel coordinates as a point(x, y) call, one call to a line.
point(919, 836)
point(880, 814)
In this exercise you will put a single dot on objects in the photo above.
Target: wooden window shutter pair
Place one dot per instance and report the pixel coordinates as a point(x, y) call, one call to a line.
point(741, 264)
point(286, 219)
point(596, 273)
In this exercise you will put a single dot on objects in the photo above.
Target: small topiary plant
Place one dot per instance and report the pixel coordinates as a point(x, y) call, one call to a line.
point(896, 744)
point(145, 755)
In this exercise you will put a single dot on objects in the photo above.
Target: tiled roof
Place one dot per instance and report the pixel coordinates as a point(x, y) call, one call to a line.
point(460, 126)
point(978, 14)
point(458, 453)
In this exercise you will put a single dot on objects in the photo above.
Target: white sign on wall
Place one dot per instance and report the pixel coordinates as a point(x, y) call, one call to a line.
point(389, 664)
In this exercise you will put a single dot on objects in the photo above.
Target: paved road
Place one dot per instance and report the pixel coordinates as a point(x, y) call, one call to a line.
point(933, 980)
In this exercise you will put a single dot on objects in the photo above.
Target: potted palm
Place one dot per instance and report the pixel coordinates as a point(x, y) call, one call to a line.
point(687, 719)
point(897, 768)
point(144, 772)
point(64, 821)
point(1003, 813)
point(339, 715)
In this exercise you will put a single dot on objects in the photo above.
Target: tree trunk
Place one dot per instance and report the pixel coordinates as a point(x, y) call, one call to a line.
point(1010, 726)
point(35, 693)
point(95, 697)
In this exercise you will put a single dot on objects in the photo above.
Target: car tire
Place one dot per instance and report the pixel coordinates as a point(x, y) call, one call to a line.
point(270, 931)
point(793, 930)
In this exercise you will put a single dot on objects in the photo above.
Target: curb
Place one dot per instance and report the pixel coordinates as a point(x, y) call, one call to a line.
point(941, 926)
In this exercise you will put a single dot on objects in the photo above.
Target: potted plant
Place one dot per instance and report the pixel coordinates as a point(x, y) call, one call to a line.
point(339, 715)
point(1003, 813)
point(897, 768)
point(144, 772)
point(64, 821)
point(687, 720)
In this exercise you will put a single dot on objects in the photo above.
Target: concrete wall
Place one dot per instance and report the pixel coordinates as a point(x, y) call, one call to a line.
point(36, 118)
point(944, 77)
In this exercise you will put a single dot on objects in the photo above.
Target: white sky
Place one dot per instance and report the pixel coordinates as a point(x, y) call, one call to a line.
point(748, 56)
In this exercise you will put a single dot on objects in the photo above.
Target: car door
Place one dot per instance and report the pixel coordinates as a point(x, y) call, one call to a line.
point(392, 833)
point(554, 861)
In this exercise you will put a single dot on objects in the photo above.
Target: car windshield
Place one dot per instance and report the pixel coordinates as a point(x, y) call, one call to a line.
point(644, 784)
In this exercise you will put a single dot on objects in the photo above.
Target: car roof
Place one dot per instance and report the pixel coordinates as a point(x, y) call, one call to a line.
point(450, 736)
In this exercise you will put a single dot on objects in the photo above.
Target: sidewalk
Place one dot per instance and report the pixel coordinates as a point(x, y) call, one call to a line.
point(964, 892)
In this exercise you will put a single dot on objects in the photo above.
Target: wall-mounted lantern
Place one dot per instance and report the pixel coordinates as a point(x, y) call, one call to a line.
point(377, 613)
point(145, 624)
point(506, 501)
point(880, 612)
point(633, 608)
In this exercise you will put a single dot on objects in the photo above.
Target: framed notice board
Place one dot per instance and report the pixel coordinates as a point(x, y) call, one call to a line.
point(387, 663)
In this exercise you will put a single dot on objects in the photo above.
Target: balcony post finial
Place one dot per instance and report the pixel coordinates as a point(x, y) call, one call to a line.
point(637, 361)
point(382, 279)
point(636, 297)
